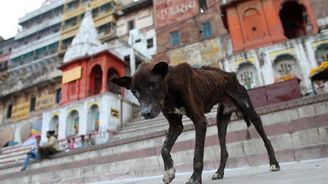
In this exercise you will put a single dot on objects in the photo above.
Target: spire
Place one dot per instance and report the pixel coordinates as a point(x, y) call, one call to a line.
point(85, 42)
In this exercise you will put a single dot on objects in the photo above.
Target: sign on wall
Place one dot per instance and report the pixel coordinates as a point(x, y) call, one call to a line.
point(72, 75)
point(45, 101)
point(20, 111)
point(208, 52)
point(115, 113)
point(170, 11)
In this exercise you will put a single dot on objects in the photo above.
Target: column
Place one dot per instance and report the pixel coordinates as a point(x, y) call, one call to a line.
point(62, 123)
point(83, 118)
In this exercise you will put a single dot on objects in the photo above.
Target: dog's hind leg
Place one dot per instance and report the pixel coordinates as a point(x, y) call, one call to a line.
point(173, 133)
point(243, 102)
point(222, 120)
point(256, 120)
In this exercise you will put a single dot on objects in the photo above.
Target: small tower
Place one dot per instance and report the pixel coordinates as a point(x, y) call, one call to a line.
point(88, 65)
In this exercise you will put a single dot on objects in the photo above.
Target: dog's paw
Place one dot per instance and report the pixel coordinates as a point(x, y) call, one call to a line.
point(274, 167)
point(218, 175)
point(168, 176)
point(193, 181)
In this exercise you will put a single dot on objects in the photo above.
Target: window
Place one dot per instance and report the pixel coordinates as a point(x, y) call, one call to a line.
point(294, 19)
point(72, 5)
point(70, 22)
point(127, 58)
point(206, 30)
point(138, 40)
point(105, 8)
point(175, 38)
point(106, 28)
point(58, 95)
point(202, 6)
point(131, 25)
point(95, 12)
point(9, 109)
point(150, 43)
point(32, 104)
point(66, 43)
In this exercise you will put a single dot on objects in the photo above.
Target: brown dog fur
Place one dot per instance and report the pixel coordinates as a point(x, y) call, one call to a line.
point(181, 89)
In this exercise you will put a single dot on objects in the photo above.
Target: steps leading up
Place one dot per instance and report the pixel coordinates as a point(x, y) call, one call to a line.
point(298, 130)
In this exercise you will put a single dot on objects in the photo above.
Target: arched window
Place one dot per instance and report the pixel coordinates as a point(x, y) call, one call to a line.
point(286, 66)
point(321, 53)
point(247, 75)
point(93, 119)
point(72, 123)
point(95, 80)
point(112, 73)
point(294, 19)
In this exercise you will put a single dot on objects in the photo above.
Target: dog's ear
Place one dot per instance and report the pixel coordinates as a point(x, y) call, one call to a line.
point(122, 81)
point(161, 68)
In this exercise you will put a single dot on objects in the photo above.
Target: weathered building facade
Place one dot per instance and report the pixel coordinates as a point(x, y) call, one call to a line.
point(135, 25)
point(33, 80)
point(189, 31)
point(263, 41)
point(6, 47)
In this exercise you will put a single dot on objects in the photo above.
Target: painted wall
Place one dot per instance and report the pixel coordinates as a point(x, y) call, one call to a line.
point(301, 50)
point(207, 53)
point(167, 12)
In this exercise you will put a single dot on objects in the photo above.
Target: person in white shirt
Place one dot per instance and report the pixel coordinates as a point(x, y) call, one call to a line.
point(32, 154)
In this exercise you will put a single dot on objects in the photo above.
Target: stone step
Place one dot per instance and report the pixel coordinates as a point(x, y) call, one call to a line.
point(140, 122)
point(298, 130)
point(97, 170)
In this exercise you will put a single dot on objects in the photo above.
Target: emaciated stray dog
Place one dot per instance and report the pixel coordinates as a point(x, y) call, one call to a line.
point(181, 89)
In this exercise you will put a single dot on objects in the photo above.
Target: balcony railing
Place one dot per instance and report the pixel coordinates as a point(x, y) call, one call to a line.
point(39, 27)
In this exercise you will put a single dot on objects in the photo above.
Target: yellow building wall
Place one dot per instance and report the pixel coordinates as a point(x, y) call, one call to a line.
point(100, 20)
point(45, 99)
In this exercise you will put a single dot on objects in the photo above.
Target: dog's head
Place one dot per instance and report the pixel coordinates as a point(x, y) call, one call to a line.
point(149, 86)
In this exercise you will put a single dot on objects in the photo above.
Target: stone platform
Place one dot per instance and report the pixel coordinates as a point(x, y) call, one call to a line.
point(304, 172)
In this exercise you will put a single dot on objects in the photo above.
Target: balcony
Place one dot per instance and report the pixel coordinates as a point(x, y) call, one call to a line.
point(34, 45)
point(38, 27)
point(33, 63)
point(41, 10)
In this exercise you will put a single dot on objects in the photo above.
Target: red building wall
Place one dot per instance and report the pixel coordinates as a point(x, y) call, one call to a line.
point(184, 16)
point(254, 23)
point(82, 87)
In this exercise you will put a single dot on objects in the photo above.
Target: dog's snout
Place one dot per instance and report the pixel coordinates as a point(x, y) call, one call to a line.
point(147, 114)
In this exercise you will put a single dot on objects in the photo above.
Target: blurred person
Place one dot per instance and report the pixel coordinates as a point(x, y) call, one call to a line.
point(50, 147)
point(82, 142)
point(70, 143)
point(32, 154)
point(90, 141)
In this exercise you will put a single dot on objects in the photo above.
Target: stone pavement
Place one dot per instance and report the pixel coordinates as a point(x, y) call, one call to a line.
point(304, 172)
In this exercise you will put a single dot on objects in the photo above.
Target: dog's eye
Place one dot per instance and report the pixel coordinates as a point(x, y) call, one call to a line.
point(151, 85)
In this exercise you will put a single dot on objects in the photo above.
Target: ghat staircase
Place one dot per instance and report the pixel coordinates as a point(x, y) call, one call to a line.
point(298, 130)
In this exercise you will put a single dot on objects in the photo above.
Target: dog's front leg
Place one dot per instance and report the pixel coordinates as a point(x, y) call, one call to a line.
point(173, 133)
point(200, 127)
